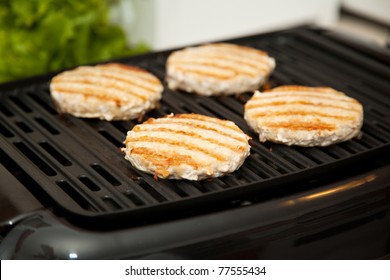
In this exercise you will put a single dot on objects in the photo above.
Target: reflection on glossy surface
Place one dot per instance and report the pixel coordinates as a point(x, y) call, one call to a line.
point(337, 189)
point(346, 220)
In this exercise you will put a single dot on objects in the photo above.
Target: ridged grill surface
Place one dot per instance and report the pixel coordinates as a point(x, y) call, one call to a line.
point(75, 166)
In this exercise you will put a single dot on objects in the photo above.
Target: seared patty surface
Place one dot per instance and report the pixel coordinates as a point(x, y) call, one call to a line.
point(186, 146)
point(218, 69)
point(108, 91)
point(304, 116)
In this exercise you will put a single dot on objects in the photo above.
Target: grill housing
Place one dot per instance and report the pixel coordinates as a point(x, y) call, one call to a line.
point(75, 168)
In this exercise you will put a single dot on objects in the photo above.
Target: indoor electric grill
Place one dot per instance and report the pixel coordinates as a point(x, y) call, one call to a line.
point(67, 192)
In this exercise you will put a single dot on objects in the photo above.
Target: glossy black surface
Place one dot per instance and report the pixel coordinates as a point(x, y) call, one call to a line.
point(75, 167)
point(349, 219)
point(67, 192)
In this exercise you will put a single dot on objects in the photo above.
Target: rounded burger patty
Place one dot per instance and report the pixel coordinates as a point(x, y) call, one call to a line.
point(186, 146)
point(304, 116)
point(108, 91)
point(218, 69)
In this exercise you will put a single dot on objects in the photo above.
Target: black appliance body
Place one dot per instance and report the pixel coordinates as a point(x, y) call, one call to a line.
point(66, 191)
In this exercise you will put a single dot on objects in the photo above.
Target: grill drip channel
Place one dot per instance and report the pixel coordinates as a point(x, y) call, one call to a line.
point(75, 165)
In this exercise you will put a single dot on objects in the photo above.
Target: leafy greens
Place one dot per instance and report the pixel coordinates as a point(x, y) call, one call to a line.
point(38, 36)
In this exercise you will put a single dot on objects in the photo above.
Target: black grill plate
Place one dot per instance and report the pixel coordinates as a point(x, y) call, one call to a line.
point(75, 166)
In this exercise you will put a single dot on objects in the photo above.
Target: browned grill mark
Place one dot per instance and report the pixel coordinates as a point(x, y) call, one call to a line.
point(94, 95)
point(263, 61)
point(175, 143)
point(298, 95)
point(162, 161)
point(130, 80)
point(126, 67)
point(98, 91)
point(130, 70)
point(201, 126)
point(208, 73)
point(300, 113)
point(296, 125)
point(252, 105)
point(224, 123)
point(306, 89)
point(237, 50)
point(107, 85)
point(232, 147)
point(212, 59)
point(236, 70)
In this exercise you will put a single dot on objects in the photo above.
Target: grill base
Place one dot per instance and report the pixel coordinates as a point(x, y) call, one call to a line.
point(349, 219)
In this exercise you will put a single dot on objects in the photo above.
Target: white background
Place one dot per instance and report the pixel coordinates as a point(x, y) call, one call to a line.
point(115, 270)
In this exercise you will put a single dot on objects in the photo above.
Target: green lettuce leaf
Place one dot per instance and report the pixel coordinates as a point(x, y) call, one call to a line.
point(38, 36)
